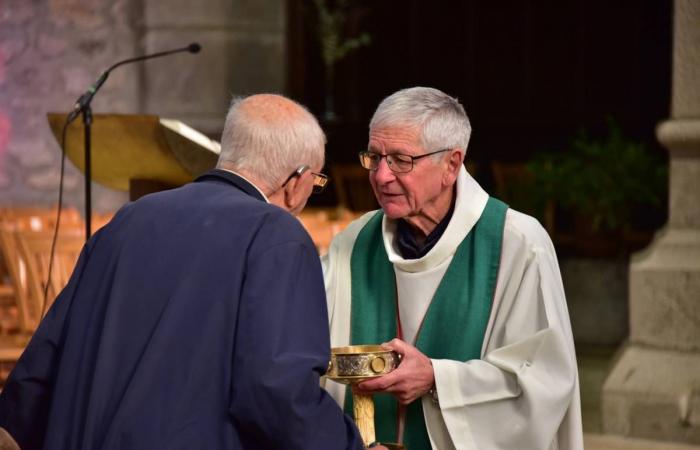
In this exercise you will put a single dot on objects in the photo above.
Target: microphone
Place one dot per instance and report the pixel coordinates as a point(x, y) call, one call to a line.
point(85, 99)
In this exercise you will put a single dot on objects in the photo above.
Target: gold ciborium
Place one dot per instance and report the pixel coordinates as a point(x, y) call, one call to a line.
point(356, 363)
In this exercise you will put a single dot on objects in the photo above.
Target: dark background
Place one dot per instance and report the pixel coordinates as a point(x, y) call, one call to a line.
point(530, 73)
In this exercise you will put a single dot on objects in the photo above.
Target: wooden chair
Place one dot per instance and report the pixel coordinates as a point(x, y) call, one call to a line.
point(323, 224)
point(319, 226)
point(101, 219)
point(40, 219)
point(34, 219)
point(35, 251)
point(24, 232)
point(15, 281)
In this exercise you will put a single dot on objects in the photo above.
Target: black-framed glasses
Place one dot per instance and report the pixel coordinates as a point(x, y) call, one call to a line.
point(320, 179)
point(397, 162)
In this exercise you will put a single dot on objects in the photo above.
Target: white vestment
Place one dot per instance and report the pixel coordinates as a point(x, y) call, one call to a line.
point(523, 393)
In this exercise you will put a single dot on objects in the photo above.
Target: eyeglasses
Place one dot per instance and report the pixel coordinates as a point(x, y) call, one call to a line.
point(320, 182)
point(320, 179)
point(397, 162)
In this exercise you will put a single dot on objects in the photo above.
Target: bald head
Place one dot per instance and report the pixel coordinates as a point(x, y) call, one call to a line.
point(269, 136)
point(270, 108)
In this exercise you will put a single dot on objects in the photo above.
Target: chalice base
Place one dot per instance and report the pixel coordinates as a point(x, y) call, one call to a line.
point(354, 364)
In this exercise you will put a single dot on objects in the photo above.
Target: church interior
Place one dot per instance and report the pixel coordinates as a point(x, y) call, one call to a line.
point(585, 114)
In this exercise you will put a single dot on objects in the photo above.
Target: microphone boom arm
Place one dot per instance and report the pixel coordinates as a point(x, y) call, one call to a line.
point(82, 105)
point(86, 98)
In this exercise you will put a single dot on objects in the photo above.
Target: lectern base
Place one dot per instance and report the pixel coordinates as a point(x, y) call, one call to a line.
point(140, 187)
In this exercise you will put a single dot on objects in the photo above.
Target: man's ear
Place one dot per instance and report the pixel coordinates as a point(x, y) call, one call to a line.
point(294, 192)
point(454, 164)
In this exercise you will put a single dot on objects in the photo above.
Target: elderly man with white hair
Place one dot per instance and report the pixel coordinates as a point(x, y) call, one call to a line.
point(466, 290)
point(196, 319)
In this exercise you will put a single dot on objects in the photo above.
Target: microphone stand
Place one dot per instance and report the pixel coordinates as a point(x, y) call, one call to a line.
point(87, 124)
point(82, 105)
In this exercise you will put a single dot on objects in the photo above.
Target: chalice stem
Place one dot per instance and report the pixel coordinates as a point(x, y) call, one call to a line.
point(363, 409)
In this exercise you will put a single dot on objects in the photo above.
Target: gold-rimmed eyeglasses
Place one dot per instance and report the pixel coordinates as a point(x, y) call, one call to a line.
point(320, 179)
point(397, 162)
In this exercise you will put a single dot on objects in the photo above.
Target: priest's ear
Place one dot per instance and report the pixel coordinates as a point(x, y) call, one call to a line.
point(453, 164)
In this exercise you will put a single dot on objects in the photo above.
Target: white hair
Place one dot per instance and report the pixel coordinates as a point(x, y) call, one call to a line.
point(440, 119)
point(272, 140)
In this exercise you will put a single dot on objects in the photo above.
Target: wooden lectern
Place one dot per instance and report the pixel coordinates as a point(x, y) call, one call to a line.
point(139, 153)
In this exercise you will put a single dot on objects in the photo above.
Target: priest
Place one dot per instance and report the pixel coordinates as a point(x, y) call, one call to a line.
point(196, 319)
point(465, 289)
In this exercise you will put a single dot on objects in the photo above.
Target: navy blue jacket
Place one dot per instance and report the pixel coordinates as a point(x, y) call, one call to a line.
point(196, 319)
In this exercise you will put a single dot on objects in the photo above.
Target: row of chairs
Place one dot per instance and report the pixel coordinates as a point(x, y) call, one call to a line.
point(323, 224)
point(25, 242)
point(26, 236)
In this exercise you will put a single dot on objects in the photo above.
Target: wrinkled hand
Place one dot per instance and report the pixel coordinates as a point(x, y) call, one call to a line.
point(412, 379)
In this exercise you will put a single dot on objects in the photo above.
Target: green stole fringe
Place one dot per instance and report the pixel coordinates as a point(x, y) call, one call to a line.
point(455, 322)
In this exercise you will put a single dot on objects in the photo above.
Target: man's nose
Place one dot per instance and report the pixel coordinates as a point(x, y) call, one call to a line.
point(383, 174)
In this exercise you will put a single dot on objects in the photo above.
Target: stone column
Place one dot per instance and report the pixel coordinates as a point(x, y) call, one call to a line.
point(242, 53)
point(653, 390)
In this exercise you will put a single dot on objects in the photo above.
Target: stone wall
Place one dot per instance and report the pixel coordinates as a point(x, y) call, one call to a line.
point(51, 51)
point(242, 53)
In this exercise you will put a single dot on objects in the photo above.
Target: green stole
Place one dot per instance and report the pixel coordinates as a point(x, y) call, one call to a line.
point(456, 320)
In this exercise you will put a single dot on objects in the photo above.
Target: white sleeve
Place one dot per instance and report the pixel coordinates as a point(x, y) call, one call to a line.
point(519, 393)
point(336, 276)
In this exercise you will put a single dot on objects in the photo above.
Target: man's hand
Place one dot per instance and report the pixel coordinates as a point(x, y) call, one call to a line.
point(412, 379)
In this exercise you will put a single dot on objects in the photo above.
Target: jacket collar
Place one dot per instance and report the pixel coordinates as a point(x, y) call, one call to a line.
point(234, 180)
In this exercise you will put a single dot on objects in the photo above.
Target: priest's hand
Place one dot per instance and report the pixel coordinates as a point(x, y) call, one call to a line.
point(411, 380)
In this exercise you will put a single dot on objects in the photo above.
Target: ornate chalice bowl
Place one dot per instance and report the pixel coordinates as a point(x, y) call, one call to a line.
point(356, 363)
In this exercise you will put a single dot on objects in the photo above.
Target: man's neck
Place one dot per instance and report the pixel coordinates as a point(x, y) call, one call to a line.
point(410, 247)
point(423, 223)
point(249, 178)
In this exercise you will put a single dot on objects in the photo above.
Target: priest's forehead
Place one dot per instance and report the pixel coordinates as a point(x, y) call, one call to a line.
point(271, 108)
point(394, 139)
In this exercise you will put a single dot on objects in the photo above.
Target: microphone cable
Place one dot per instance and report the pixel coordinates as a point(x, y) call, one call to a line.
point(59, 208)
point(81, 103)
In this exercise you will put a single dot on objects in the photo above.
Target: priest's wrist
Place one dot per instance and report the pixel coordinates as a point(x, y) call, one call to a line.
point(432, 392)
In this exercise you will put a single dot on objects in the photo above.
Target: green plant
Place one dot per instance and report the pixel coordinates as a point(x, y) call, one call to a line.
point(331, 21)
point(605, 181)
